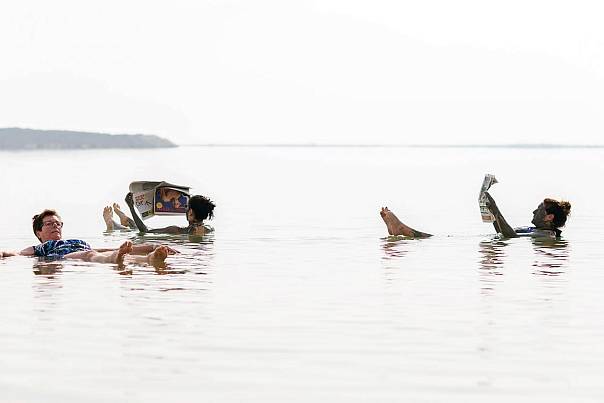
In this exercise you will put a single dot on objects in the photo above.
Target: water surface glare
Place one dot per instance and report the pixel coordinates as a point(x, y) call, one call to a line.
point(300, 295)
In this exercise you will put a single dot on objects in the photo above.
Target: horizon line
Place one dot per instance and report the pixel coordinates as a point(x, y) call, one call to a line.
point(317, 145)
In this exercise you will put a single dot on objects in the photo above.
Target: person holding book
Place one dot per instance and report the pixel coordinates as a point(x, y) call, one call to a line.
point(200, 208)
point(548, 218)
point(47, 227)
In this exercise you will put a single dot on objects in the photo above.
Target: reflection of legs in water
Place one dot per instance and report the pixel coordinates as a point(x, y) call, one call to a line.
point(124, 219)
point(396, 227)
point(116, 256)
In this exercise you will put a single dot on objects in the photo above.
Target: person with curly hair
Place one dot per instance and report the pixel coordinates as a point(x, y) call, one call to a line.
point(548, 218)
point(200, 208)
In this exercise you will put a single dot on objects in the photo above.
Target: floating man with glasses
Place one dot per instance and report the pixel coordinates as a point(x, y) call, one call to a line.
point(47, 227)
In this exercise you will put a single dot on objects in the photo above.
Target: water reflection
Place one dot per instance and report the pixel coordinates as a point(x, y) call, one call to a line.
point(196, 256)
point(492, 255)
point(48, 286)
point(196, 252)
point(47, 267)
point(398, 246)
point(551, 256)
point(492, 258)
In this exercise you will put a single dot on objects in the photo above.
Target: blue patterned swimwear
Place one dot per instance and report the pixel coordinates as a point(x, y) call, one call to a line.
point(536, 232)
point(60, 248)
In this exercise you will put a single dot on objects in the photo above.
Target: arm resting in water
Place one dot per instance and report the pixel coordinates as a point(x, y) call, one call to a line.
point(501, 225)
point(8, 253)
point(29, 251)
point(172, 229)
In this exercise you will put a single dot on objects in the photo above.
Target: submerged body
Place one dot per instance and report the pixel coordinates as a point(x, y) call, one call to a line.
point(60, 248)
point(536, 232)
point(548, 217)
point(200, 209)
point(48, 227)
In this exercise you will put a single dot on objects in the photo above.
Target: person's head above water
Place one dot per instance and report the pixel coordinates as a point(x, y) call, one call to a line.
point(551, 214)
point(47, 226)
point(200, 208)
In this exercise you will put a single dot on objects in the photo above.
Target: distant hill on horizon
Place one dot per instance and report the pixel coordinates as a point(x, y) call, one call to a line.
point(15, 138)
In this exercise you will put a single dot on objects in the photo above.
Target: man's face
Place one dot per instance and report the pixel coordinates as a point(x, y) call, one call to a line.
point(51, 228)
point(540, 217)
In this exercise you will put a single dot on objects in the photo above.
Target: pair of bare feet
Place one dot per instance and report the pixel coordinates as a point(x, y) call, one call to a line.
point(108, 211)
point(396, 226)
point(155, 257)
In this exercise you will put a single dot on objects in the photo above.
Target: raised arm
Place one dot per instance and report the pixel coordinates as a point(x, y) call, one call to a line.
point(137, 220)
point(501, 225)
point(173, 229)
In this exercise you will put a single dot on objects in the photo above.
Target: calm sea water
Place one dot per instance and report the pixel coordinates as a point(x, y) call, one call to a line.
point(299, 295)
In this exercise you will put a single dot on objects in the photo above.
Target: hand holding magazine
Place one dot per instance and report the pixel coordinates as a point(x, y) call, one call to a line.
point(485, 213)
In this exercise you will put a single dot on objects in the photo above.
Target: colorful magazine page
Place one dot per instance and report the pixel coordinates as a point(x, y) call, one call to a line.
point(170, 200)
point(159, 198)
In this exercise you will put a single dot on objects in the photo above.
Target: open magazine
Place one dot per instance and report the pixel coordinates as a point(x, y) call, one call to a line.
point(486, 215)
point(159, 198)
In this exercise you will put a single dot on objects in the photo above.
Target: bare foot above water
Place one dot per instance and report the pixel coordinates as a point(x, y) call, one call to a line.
point(123, 217)
point(396, 226)
point(392, 222)
point(158, 256)
point(108, 217)
point(124, 250)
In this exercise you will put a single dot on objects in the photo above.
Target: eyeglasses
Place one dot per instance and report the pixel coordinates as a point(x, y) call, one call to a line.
point(49, 224)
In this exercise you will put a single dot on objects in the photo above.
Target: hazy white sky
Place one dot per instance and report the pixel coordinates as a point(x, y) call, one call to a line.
point(329, 71)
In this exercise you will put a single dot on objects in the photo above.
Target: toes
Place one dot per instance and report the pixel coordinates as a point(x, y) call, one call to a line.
point(126, 247)
point(161, 252)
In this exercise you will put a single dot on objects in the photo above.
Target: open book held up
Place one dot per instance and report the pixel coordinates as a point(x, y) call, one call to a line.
point(485, 213)
point(159, 198)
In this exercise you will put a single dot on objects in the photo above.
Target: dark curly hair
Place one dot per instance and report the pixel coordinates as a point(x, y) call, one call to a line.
point(202, 207)
point(560, 210)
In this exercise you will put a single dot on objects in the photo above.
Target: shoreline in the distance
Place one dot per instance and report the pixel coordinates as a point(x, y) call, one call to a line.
point(19, 139)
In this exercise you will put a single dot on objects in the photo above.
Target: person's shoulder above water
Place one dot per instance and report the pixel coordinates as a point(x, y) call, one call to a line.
point(199, 229)
point(549, 216)
point(537, 232)
point(60, 247)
